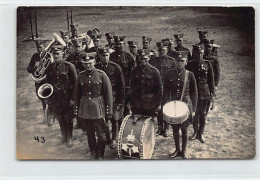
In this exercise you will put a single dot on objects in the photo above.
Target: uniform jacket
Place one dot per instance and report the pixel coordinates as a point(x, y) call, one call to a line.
point(93, 95)
point(115, 74)
point(74, 58)
point(126, 61)
point(215, 65)
point(203, 73)
point(62, 76)
point(145, 87)
point(173, 86)
point(184, 49)
point(163, 64)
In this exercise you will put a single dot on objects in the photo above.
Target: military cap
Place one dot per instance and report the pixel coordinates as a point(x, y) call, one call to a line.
point(85, 58)
point(96, 37)
point(167, 41)
point(75, 42)
point(119, 39)
point(57, 49)
point(178, 37)
point(197, 48)
point(132, 43)
point(74, 27)
point(90, 33)
point(203, 33)
point(40, 42)
point(103, 50)
point(96, 31)
point(63, 34)
point(181, 56)
point(143, 54)
point(146, 39)
point(161, 45)
point(110, 35)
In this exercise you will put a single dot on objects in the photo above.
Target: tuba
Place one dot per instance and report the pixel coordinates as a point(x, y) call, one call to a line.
point(40, 73)
point(44, 92)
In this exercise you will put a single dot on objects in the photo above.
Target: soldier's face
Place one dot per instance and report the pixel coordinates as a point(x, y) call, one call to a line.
point(96, 43)
point(144, 61)
point(163, 52)
point(57, 56)
point(207, 50)
point(133, 49)
point(105, 57)
point(66, 39)
point(181, 64)
point(119, 46)
point(110, 41)
point(199, 55)
point(40, 48)
point(74, 32)
point(145, 44)
point(77, 49)
point(179, 43)
point(89, 66)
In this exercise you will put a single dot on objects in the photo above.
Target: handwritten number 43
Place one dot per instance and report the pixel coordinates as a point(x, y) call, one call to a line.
point(42, 140)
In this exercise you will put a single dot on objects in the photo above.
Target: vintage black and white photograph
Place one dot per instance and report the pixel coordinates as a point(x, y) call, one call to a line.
point(135, 82)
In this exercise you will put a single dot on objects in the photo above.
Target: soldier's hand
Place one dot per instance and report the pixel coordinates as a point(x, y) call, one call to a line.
point(193, 114)
point(159, 108)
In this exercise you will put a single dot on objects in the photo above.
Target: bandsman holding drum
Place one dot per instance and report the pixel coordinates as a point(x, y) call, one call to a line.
point(94, 104)
point(62, 76)
point(115, 74)
point(203, 73)
point(180, 86)
point(145, 88)
point(36, 60)
point(163, 63)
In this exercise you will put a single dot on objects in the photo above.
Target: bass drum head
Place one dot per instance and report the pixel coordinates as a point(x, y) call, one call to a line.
point(136, 141)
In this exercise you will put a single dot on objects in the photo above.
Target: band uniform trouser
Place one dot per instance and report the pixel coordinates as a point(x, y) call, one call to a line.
point(95, 127)
point(200, 115)
point(37, 85)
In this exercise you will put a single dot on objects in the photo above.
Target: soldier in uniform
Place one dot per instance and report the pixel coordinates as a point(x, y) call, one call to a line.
point(146, 41)
point(172, 90)
point(133, 48)
point(68, 49)
point(170, 44)
point(115, 74)
point(33, 65)
point(110, 40)
point(62, 76)
point(213, 58)
point(203, 36)
point(94, 104)
point(203, 73)
point(126, 61)
point(179, 47)
point(163, 63)
point(96, 40)
point(74, 58)
point(145, 88)
point(74, 31)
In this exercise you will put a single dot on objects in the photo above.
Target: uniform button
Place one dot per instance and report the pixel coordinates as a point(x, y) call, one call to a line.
point(178, 90)
point(89, 98)
point(89, 81)
point(178, 84)
point(178, 79)
point(89, 76)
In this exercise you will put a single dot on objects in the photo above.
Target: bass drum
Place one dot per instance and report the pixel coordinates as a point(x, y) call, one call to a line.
point(136, 138)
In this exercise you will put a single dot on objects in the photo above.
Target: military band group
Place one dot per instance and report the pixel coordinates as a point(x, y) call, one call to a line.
point(101, 84)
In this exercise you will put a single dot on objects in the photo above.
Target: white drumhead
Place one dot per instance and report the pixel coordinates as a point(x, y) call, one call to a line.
point(175, 109)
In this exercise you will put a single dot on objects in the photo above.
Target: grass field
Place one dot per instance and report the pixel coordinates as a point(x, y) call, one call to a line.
point(230, 132)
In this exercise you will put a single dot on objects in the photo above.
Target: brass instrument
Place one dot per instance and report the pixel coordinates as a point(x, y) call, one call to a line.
point(44, 92)
point(40, 73)
point(54, 39)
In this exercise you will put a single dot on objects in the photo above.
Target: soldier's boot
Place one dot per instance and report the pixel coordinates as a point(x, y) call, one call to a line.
point(195, 127)
point(160, 123)
point(114, 134)
point(92, 149)
point(100, 150)
point(166, 130)
point(202, 123)
point(176, 137)
point(69, 127)
point(63, 133)
point(184, 145)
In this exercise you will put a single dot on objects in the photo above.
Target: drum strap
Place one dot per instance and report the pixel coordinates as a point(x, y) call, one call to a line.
point(185, 84)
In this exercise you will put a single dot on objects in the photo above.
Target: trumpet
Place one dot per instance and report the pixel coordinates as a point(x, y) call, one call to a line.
point(40, 73)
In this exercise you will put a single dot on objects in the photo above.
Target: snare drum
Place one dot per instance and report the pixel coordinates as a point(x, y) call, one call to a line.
point(176, 112)
point(136, 140)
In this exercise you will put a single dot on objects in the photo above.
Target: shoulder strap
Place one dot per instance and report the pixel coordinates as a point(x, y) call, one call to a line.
point(185, 84)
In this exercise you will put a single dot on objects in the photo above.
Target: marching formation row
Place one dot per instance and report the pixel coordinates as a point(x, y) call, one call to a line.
point(77, 77)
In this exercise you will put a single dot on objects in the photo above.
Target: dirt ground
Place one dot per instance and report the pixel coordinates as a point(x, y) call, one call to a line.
point(230, 131)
